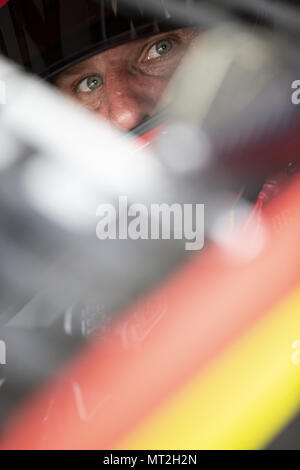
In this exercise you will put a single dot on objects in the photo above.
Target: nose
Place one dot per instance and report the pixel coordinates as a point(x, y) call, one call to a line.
point(124, 105)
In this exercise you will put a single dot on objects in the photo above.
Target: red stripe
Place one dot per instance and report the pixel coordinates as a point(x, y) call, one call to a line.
point(128, 374)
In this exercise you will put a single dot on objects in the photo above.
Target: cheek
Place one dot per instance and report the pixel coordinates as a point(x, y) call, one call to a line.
point(154, 79)
point(91, 101)
point(149, 86)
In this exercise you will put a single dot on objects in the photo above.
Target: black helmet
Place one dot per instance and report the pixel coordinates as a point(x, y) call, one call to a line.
point(47, 36)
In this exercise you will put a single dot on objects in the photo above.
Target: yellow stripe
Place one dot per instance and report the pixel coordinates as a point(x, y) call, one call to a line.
point(242, 400)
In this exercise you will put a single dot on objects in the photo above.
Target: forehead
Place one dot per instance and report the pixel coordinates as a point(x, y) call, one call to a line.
point(128, 49)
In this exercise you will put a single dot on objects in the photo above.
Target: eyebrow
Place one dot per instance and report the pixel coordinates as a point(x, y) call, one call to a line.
point(81, 66)
point(75, 70)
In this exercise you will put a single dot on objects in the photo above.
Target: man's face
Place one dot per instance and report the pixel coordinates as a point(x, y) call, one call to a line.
point(124, 84)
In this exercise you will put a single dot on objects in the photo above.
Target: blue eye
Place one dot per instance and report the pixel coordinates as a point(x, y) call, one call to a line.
point(160, 48)
point(164, 46)
point(90, 83)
